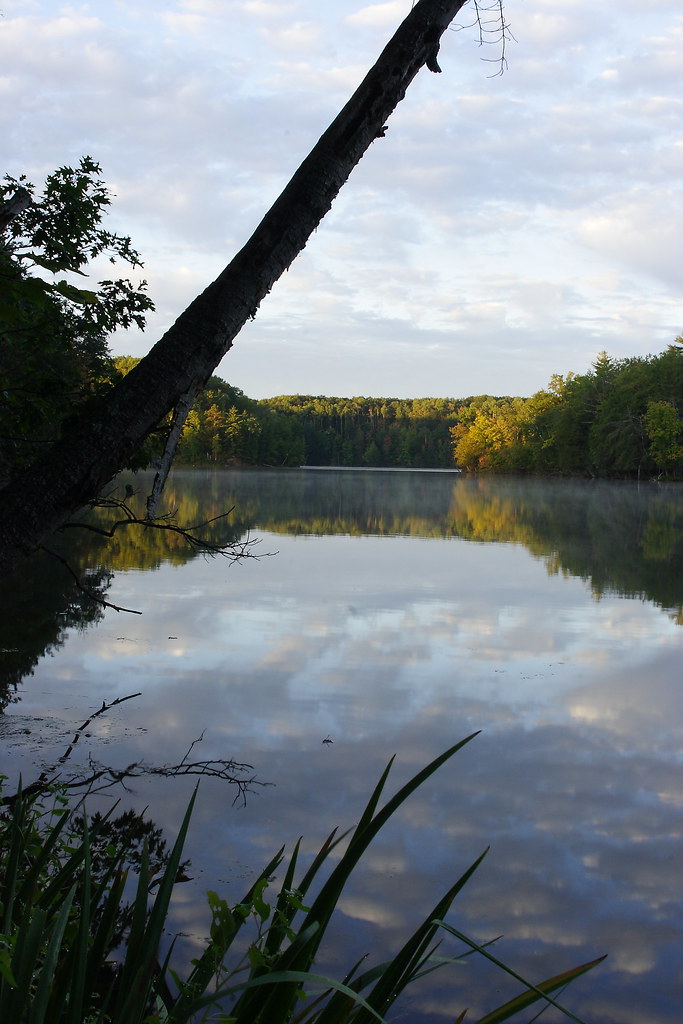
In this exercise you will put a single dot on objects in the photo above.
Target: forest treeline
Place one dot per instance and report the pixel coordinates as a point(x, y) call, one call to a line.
point(623, 418)
point(225, 426)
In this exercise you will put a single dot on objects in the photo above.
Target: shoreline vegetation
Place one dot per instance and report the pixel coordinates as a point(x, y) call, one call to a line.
point(622, 419)
point(73, 950)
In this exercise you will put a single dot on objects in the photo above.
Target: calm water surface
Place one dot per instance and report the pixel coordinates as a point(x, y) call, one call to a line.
point(397, 613)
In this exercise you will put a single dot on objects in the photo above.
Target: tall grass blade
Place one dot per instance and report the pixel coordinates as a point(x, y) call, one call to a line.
point(271, 1006)
point(77, 961)
point(101, 937)
point(285, 909)
point(503, 1013)
point(371, 806)
point(60, 881)
point(369, 825)
point(56, 972)
point(534, 993)
point(366, 831)
point(409, 961)
point(45, 978)
point(404, 967)
point(146, 930)
point(279, 980)
point(11, 873)
point(25, 957)
point(217, 949)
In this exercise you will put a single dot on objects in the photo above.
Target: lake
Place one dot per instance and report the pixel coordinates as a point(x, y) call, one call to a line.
point(396, 613)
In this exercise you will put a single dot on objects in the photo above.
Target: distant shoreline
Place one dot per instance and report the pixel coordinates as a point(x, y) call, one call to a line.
point(386, 469)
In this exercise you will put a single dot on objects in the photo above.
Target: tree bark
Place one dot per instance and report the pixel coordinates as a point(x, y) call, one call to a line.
point(101, 438)
point(180, 414)
point(13, 207)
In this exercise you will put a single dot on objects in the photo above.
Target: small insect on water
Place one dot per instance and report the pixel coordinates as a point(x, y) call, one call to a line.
point(327, 740)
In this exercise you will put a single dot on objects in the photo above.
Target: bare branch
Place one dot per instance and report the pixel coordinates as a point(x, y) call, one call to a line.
point(236, 551)
point(180, 414)
point(493, 29)
point(82, 587)
point(48, 774)
point(99, 777)
point(192, 745)
point(96, 714)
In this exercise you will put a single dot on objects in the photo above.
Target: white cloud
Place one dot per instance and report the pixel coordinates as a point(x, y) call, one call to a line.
point(181, 23)
point(379, 15)
point(640, 231)
point(300, 37)
point(536, 214)
point(264, 9)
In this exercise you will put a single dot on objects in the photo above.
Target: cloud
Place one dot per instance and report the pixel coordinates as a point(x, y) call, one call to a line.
point(265, 9)
point(299, 38)
point(379, 15)
point(487, 196)
point(633, 232)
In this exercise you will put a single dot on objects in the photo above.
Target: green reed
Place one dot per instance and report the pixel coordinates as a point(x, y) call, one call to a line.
point(62, 961)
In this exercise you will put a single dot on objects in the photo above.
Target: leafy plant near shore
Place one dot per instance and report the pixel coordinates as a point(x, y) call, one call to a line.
point(54, 354)
point(59, 919)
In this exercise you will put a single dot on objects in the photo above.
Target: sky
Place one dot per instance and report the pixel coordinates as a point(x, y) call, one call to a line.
point(507, 228)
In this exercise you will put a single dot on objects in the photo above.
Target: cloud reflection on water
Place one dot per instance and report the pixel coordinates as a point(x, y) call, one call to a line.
point(406, 645)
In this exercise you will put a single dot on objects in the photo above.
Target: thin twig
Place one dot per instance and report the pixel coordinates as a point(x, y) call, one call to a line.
point(50, 774)
point(489, 17)
point(234, 550)
point(81, 729)
point(194, 742)
point(86, 590)
point(99, 777)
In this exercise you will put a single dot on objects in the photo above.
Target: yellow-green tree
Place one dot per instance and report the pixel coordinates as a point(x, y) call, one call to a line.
point(664, 430)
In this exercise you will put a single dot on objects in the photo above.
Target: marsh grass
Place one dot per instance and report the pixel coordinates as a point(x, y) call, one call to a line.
point(60, 922)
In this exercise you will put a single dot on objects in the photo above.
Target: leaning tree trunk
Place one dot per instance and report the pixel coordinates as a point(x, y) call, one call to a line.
point(100, 440)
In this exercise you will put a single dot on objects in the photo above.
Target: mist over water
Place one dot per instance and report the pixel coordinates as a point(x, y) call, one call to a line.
point(397, 613)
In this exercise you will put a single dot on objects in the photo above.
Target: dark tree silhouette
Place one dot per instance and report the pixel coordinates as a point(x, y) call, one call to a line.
point(102, 437)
